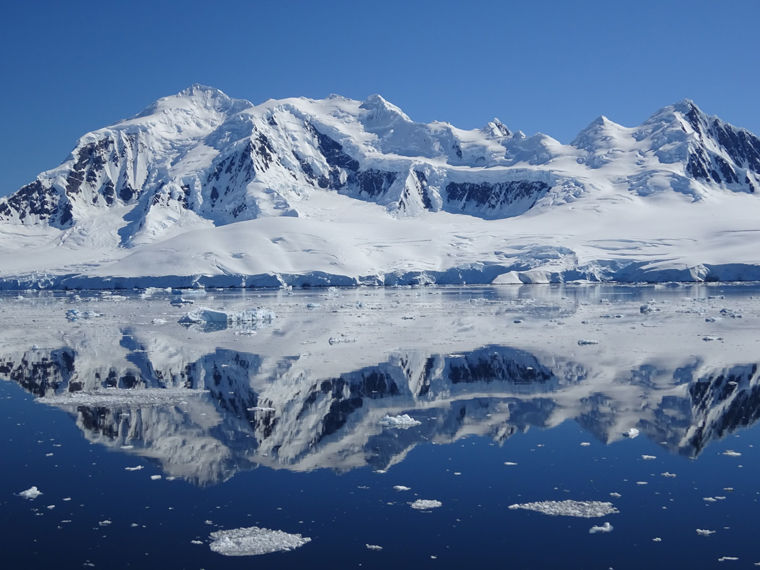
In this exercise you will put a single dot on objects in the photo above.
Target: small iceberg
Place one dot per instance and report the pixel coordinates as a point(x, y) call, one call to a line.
point(31, 493)
point(217, 319)
point(606, 527)
point(253, 541)
point(425, 504)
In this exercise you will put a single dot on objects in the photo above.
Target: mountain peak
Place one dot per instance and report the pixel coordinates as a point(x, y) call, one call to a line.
point(197, 96)
point(380, 110)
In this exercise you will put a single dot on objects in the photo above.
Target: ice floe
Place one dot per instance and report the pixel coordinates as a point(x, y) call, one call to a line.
point(633, 432)
point(253, 541)
point(425, 504)
point(732, 453)
point(569, 508)
point(376, 547)
point(31, 493)
point(401, 488)
point(704, 532)
point(220, 319)
point(403, 421)
point(606, 527)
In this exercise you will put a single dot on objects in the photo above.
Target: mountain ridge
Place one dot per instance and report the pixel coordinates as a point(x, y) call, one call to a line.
point(199, 160)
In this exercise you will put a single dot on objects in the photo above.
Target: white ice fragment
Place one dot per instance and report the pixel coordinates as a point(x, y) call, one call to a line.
point(155, 477)
point(341, 339)
point(31, 493)
point(615, 495)
point(704, 532)
point(569, 508)
point(728, 558)
point(668, 474)
point(253, 541)
point(510, 463)
point(403, 421)
point(373, 547)
point(425, 504)
point(648, 457)
point(135, 468)
point(50, 507)
point(586, 341)
point(709, 499)
point(606, 527)
point(104, 523)
point(633, 432)
point(196, 542)
point(641, 483)
point(401, 488)
point(585, 444)
point(158, 321)
point(656, 539)
point(215, 317)
point(732, 453)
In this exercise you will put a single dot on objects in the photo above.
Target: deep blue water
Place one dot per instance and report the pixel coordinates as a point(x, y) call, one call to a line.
point(118, 518)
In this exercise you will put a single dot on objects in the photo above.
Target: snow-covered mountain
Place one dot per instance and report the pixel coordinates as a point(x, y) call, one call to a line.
point(201, 186)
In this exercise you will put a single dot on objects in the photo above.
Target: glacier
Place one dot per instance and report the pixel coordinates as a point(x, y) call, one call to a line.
point(203, 190)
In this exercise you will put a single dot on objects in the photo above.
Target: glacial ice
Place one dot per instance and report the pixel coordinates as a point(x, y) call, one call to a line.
point(569, 508)
point(253, 541)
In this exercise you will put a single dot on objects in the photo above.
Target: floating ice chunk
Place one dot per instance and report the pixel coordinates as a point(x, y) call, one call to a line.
point(656, 539)
point(373, 547)
point(196, 542)
point(615, 495)
point(632, 432)
point(104, 523)
point(510, 463)
point(586, 341)
point(585, 443)
point(260, 409)
point(425, 504)
point(403, 421)
point(135, 468)
point(31, 493)
point(668, 474)
point(704, 532)
point(569, 508)
point(728, 558)
point(253, 541)
point(219, 319)
point(341, 339)
point(641, 483)
point(401, 488)
point(606, 527)
point(732, 453)
point(709, 499)
point(75, 314)
point(158, 321)
point(155, 477)
point(648, 457)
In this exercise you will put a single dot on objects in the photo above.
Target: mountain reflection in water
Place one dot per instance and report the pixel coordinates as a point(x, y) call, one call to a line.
point(205, 415)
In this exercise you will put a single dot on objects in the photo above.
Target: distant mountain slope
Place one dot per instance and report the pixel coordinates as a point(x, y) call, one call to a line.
point(198, 160)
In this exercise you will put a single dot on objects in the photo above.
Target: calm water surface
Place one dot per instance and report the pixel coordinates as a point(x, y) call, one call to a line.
point(145, 435)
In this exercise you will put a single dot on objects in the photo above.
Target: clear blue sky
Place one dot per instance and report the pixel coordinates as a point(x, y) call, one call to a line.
point(551, 66)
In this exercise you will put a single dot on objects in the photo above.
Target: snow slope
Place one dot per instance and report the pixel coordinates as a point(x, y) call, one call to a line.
point(200, 188)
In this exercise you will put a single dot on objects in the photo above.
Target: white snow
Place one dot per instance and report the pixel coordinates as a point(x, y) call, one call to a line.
point(403, 421)
point(425, 504)
point(569, 508)
point(253, 541)
point(31, 493)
